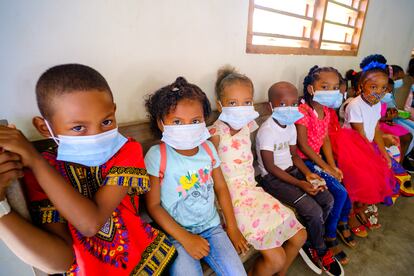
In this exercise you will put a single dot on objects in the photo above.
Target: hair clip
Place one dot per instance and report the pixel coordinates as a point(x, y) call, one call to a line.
point(373, 65)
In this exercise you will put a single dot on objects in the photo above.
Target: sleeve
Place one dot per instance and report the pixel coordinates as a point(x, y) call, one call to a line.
point(42, 211)
point(353, 113)
point(215, 155)
point(305, 119)
point(153, 160)
point(216, 129)
point(293, 137)
point(128, 169)
point(253, 126)
point(265, 139)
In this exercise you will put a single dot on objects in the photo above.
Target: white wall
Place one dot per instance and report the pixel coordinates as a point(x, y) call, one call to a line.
point(140, 45)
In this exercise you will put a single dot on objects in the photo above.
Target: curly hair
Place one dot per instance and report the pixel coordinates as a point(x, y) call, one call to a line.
point(228, 75)
point(164, 100)
point(353, 76)
point(314, 75)
point(373, 64)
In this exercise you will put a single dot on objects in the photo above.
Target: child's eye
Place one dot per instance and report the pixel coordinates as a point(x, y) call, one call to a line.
point(232, 103)
point(107, 123)
point(196, 121)
point(248, 103)
point(78, 128)
point(324, 87)
point(282, 104)
point(336, 87)
point(176, 122)
point(295, 104)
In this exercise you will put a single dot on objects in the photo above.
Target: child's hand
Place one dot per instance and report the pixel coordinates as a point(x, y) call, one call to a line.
point(12, 140)
point(338, 174)
point(312, 176)
point(308, 188)
point(196, 246)
point(10, 169)
point(238, 240)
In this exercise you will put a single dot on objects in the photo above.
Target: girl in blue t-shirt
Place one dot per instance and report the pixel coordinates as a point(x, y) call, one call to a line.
point(185, 176)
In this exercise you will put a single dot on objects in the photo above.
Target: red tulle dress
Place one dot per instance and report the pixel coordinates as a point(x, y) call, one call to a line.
point(367, 177)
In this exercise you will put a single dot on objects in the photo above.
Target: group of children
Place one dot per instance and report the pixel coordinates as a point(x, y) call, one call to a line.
point(84, 193)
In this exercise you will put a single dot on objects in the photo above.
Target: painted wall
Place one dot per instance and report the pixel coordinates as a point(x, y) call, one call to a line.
point(139, 46)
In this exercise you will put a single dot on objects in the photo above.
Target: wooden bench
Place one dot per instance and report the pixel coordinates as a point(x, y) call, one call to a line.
point(142, 133)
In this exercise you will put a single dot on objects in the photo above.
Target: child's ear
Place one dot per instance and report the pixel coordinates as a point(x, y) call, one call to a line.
point(270, 107)
point(160, 125)
point(219, 107)
point(310, 89)
point(40, 125)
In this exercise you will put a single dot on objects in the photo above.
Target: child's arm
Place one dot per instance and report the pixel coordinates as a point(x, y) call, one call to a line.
point(360, 128)
point(224, 199)
point(196, 246)
point(50, 252)
point(86, 215)
point(380, 142)
point(268, 163)
point(327, 150)
point(309, 152)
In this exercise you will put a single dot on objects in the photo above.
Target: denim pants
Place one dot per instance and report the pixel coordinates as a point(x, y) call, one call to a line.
point(223, 258)
point(312, 210)
point(342, 204)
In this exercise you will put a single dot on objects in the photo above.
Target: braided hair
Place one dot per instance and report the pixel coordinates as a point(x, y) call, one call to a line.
point(164, 100)
point(314, 75)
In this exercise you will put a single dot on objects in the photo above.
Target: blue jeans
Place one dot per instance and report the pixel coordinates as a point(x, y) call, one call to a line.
point(223, 258)
point(342, 204)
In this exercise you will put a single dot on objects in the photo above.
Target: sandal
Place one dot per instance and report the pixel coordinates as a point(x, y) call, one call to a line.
point(372, 218)
point(341, 255)
point(360, 230)
point(349, 241)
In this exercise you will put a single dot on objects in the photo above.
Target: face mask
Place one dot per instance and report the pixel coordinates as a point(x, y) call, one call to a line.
point(185, 137)
point(398, 83)
point(286, 115)
point(91, 150)
point(329, 98)
point(374, 99)
point(388, 99)
point(238, 116)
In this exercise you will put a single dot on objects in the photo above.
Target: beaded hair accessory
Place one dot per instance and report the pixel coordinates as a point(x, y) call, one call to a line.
point(374, 65)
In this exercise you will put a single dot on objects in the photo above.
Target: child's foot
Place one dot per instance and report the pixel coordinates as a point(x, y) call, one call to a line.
point(331, 266)
point(340, 255)
point(369, 217)
point(345, 234)
point(311, 258)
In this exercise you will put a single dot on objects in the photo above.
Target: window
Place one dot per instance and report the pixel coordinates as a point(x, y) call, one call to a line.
point(305, 27)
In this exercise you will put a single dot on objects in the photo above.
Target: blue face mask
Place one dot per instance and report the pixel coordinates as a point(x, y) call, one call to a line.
point(329, 98)
point(398, 83)
point(286, 115)
point(91, 150)
point(388, 99)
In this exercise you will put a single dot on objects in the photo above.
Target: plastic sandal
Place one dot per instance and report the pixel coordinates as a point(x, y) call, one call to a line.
point(347, 240)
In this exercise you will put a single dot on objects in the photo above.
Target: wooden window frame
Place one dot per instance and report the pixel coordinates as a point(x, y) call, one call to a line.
point(316, 32)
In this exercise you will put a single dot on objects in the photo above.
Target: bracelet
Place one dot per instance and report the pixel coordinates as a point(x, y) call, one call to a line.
point(4, 208)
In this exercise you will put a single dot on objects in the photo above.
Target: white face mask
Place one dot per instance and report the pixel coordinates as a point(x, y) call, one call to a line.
point(90, 150)
point(238, 116)
point(185, 137)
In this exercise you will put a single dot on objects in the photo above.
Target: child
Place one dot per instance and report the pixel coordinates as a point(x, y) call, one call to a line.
point(264, 222)
point(364, 112)
point(321, 90)
point(287, 178)
point(89, 184)
point(185, 174)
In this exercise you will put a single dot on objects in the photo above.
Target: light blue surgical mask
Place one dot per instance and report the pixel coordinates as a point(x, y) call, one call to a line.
point(286, 115)
point(398, 83)
point(389, 100)
point(185, 137)
point(238, 116)
point(329, 98)
point(90, 150)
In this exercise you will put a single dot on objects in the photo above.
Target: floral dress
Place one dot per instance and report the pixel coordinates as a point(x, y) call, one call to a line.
point(264, 221)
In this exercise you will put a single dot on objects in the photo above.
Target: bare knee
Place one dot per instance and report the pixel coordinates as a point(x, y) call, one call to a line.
point(298, 239)
point(274, 259)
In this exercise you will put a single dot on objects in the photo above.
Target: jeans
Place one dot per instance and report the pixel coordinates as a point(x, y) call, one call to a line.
point(342, 204)
point(313, 210)
point(223, 258)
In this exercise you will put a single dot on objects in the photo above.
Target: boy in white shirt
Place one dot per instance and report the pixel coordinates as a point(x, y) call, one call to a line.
point(287, 178)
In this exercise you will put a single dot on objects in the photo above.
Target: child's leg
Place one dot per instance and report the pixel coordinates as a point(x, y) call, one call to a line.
point(270, 262)
point(223, 258)
point(405, 141)
point(292, 247)
point(184, 264)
